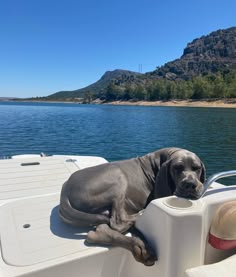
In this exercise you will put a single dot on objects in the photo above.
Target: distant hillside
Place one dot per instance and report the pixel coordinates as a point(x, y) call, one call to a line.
point(8, 98)
point(117, 76)
point(207, 69)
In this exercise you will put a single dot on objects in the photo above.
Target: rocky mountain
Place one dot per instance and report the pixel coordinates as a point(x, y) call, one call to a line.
point(208, 54)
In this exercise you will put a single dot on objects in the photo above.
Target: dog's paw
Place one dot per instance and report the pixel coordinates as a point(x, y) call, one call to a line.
point(143, 253)
point(101, 235)
point(91, 237)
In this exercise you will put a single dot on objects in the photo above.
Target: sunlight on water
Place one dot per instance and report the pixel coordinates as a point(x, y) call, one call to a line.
point(118, 132)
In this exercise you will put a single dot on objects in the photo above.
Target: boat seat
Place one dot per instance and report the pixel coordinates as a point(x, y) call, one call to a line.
point(222, 268)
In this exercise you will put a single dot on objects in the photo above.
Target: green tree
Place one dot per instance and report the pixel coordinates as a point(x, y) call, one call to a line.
point(230, 81)
point(111, 92)
point(88, 97)
point(219, 87)
point(128, 92)
point(201, 88)
point(139, 93)
point(158, 90)
point(171, 90)
point(184, 90)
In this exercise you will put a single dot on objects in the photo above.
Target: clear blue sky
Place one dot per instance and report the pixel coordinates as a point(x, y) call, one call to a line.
point(52, 45)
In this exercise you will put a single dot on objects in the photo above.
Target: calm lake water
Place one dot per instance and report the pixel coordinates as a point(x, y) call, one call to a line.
point(118, 132)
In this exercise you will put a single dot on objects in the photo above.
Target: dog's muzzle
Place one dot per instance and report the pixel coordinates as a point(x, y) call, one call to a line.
point(189, 188)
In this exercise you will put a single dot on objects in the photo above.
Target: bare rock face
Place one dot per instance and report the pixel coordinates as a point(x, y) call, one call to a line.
point(211, 53)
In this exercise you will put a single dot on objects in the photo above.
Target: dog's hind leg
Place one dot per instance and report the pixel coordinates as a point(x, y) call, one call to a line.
point(104, 235)
point(120, 220)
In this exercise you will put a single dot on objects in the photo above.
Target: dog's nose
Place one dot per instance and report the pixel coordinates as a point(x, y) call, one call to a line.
point(189, 185)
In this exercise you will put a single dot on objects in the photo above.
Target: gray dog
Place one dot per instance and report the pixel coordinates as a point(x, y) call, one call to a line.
point(111, 196)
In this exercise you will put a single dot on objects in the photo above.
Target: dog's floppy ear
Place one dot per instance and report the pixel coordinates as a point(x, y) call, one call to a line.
point(164, 185)
point(203, 174)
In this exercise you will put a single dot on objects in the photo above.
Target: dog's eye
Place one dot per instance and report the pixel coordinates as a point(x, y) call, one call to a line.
point(179, 167)
point(196, 167)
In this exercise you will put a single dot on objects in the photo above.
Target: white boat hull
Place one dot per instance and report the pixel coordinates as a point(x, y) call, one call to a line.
point(34, 242)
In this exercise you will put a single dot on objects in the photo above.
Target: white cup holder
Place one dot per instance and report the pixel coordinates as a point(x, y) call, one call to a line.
point(178, 203)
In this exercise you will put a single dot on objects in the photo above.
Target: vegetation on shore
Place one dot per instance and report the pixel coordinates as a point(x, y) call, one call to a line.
point(219, 85)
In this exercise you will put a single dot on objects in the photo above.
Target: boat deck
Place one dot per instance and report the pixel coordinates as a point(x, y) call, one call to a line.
point(32, 233)
point(33, 176)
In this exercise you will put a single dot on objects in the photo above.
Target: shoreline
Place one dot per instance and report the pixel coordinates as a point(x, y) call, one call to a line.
point(221, 103)
point(208, 103)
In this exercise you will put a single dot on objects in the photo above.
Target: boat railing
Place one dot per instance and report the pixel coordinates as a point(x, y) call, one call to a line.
point(215, 177)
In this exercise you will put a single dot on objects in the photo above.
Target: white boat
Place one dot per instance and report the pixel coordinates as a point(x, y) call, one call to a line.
point(34, 242)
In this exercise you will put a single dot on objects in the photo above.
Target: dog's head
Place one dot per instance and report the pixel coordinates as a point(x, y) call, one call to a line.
point(183, 175)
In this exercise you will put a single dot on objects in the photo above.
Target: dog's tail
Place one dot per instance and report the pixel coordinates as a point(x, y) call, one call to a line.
point(78, 218)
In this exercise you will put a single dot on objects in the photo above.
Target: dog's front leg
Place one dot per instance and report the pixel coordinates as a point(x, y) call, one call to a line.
point(104, 235)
